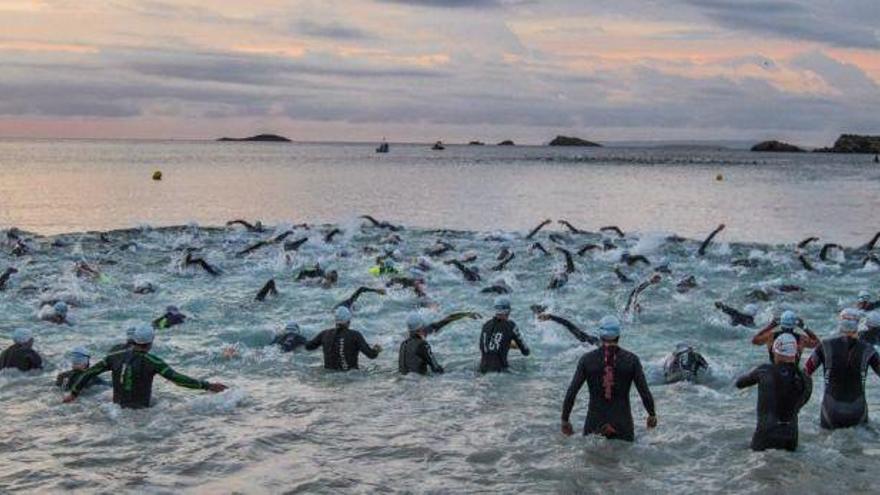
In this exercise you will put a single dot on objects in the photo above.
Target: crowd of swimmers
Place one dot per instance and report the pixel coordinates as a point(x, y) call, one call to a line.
point(609, 370)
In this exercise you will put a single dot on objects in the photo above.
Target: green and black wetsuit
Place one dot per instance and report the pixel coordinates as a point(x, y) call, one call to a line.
point(67, 379)
point(133, 371)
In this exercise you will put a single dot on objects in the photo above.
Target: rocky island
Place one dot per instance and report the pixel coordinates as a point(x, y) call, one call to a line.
point(506, 142)
point(572, 141)
point(262, 138)
point(853, 143)
point(777, 147)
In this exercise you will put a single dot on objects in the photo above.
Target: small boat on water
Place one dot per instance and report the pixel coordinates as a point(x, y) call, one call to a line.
point(438, 146)
point(383, 148)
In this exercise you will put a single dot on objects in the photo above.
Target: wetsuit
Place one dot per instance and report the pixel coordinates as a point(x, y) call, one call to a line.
point(870, 336)
point(846, 361)
point(169, 320)
point(68, 378)
point(783, 389)
point(575, 330)
point(21, 357)
point(609, 372)
point(121, 347)
point(416, 356)
point(341, 348)
point(685, 365)
point(289, 341)
point(133, 371)
point(737, 317)
point(495, 344)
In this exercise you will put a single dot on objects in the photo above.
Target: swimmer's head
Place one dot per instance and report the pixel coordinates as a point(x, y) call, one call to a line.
point(342, 315)
point(502, 305)
point(751, 310)
point(143, 335)
point(415, 322)
point(22, 336)
point(788, 320)
point(848, 322)
point(785, 346)
point(60, 308)
point(79, 357)
point(609, 328)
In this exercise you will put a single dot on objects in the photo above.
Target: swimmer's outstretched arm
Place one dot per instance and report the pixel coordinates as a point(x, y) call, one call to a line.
point(5, 277)
point(873, 242)
point(806, 264)
point(246, 225)
point(328, 237)
point(806, 241)
point(569, 262)
point(729, 311)
point(613, 228)
point(295, 245)
point(587, 248)
point(348, 303)
point(539, 247)
point(823, 254)
point(634, 295)
point(372, 220)
point(253, 248)
point(282, 236)
point(504, 263)
point(438, 325)
point(705, 244)
point(571, 327)
point(538, 228)
point(469, 275)
point(96, 369)
point(572, 228)
point(765, 336)
point(621, 276)
point(267, 289)
point(749, 379)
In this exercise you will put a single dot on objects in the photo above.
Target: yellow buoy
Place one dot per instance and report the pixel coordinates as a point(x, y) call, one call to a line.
point(719, 177)
point(157, 175)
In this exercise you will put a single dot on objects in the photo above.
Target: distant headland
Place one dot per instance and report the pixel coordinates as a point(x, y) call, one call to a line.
point(265, 138)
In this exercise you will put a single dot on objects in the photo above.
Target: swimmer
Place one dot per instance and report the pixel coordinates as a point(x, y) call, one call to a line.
point(290, 338)
point(631, 260)
point(497, 287)
point(171, 318)
point(256, 227)
point(786, 324)
point(496, 338)
point(586, 248)
point(439, 249)
point(823, 254)
point(4, 278)
point(783, 389)
point(613, 228)
point(865, 303)
point(267, 289)
point(569, 261)
point(708, 240)
point(381, 225)
point(621, 276)
point(349, 303)
point(415, 354)
point(56, 314)
point(558, 280)
point(83, 270)
point(342, 345)
point(686, 284)
point(415, 283)
point(579, 334)
point(295, 245)
point(79, 363)
point(845, 360)
point(143, 287)
point(804, 263)
point(571, 228)
point(264, 243)
point(328, 237)
point(21, 354)
point(504, 262)
point(684, 364)
point(538, 247)
point(632, 303)
point(469, 274)
point(537, 229)
point(609, 372)
point(804, 243)
point(190, 261)
point(745, 318)
point(133, 371)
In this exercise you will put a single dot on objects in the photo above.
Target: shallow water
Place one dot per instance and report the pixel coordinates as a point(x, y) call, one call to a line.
point(73, 186)
point(287, 425)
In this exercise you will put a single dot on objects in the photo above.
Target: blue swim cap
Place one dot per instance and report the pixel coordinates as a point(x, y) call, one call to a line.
point(864, 296)
point(609, 328)
point(502, 304)
point(788, 320)
point(61, 308)
point(79, 356)
point(129, 332)
point(172, 309)
point(415, 322)
point(872, 320)
point(750, 310)
point(144, 334)
point(292, 327)
point(342, 315)
point(22, 336)
point(849, 320)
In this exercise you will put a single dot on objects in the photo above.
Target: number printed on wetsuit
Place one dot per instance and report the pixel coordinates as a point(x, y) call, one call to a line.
point(494, 343)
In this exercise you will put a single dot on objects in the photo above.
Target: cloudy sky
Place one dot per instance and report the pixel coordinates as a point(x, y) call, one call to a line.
point(419, 70)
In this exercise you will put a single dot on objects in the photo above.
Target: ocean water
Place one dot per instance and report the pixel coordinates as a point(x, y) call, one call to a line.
point(286, 425)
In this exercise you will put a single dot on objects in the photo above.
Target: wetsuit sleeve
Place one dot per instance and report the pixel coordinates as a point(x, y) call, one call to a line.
point(577, 381)
point(59, 380)
point(731, 312)
point(642, 388)
point(365, 348)
point(36, 361)
point(520, 343)
point(99, 367)
point(174, 377)
point(574, 330)
point(428, 356)
point(749, 379)
point(438, 325)
point(816, 358)
point(874, 362)
point(316, 342)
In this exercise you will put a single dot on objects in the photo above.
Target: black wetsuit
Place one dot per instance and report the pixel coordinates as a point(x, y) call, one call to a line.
point(783, 389)
point(575, 330)
point(737, 317)
point(68, 378)
point(495, 344)
point(416, 356)
point(870, 336)
point(609, 372)
point(289, 341)
point(133, 371)
point(21, 357)
point(169, 320)
point(341, 348)
point(685, 365)
point(846, 361)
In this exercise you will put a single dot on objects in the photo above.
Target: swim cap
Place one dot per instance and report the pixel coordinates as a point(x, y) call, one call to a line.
point(872, 320)
point(61, 308)
point(342, 315)
point(415, 322)
point(609, 327)
point(143, 335)
point(172, 309)
point(502, 304)
point(788, 320)
point(683, 347)
point(785, 345)
point(22, 336)
point(292, 327)
point(129, 332)
point(849, 320)
point(79, 355)
point(417, 273)
point(750, 310)
point(864, 296)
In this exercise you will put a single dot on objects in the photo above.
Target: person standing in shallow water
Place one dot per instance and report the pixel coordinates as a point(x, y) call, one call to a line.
point(609, 372)
point(783, 390)
point(20, 354)
point(496, 339)
point(342, 345)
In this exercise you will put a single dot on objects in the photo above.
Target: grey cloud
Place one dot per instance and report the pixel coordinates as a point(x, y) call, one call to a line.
point(447, 3)
point(332, 30)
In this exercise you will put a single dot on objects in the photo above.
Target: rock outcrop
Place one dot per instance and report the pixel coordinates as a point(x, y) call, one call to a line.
point(776, 146)
point(269, 138)
point(853, 143)
point(572, 141)
point(506, 142)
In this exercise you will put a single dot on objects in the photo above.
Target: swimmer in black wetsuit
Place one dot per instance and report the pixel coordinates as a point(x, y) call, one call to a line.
point(439, 249)
point(613, 228)
point(256, 227)
point(133, 371)
point(498, 287)
point(538, 247)
point(415, 354)
point(865, 303)
point(172, 317)
point(469, 274)
point(537, 229)
point(381, 225)
point(823, 254)
point(267, 242)
point(295, 245)
point(558, 280)
point(609, 372)
point(348, 303)
point(267, 289)
point(684, 364)
point(328, 237)
point(571, 228)
point(290, 338)
point(341, 345)
point(21, 354)
point(708, 240)
point(745, 318)
point(632, 303)
point(57, 314)
point(807, 241)
point(686, 284)
point(783, 389)
point(4, 278)
point(631, 260)
point(621, 276)
point(188, 261)
point(571, 327)
point(786, 324)
point(846, 360)
point(496, 338)
point(504, 262)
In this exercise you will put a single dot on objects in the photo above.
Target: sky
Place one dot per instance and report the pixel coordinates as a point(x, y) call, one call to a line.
point(421, 70)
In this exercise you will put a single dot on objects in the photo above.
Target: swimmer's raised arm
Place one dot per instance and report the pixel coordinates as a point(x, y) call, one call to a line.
point(705, 244)
point(538, 228)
